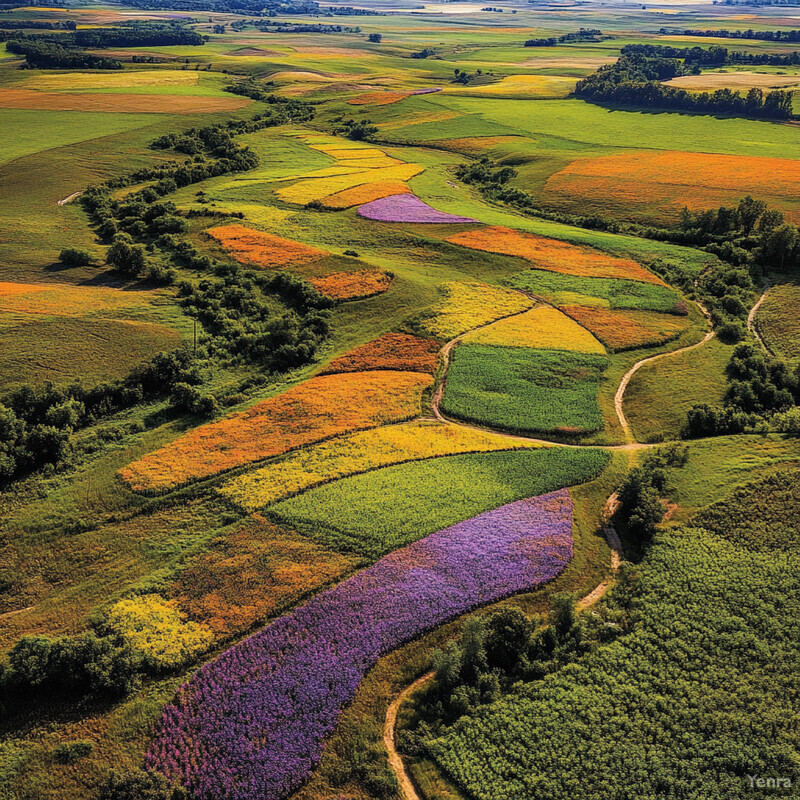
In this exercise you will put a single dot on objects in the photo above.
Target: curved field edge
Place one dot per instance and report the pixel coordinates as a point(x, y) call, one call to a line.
point(310, 660)
point(363, 719)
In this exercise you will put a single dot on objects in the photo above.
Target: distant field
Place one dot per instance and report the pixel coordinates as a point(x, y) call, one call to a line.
point(656, 186)
point(778, 320)
point(711, 81)
point(27, 131)
point(584, 122)
point(141, 103)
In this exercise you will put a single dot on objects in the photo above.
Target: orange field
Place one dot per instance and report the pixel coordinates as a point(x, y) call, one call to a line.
point(378, 98)
point(365, 193)
point(318, 409)
point(139, 103)
point(353, 285)
point(254, 572)
point(627, 330)
point(399, 351)
point(554, 255)
point(264, 249)
point(653, 184)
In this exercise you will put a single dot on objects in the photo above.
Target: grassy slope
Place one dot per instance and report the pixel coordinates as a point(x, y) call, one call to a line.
point(778, 321)
point(660, 394)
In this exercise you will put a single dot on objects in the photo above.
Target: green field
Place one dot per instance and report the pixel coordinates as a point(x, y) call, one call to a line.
point(661, 393)
point(778, 323)
point(711, 657)
point(26, 132)
point(595, 125)
point(561, 289)
point(527, 391)
point(379, 511)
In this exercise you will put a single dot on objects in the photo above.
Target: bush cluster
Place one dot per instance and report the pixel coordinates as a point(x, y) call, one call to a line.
point(635, 79)
point(761, 389)
point(640, 493)
point(36, 421)
point(495, 652)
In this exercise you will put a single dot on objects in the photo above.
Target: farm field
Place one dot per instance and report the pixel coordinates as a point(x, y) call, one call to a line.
point(392, 403)
point(777, 323)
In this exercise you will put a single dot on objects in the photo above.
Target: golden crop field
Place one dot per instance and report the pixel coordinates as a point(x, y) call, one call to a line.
point(543, 327)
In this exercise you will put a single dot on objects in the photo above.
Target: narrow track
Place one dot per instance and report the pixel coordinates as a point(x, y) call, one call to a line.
point(68, 199)
point(751, 320)
point(407, 789)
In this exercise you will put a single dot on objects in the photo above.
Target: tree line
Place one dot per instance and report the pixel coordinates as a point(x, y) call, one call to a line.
point(256, 8)
point(17, 24)
point(67, 50)
point(768, 36)
point(714, 56)
point(635, 80)
point(582, 35)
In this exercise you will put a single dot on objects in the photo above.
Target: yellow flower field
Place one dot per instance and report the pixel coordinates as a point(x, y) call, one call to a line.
point(323, 407)
point(365, 193)
point(155, 628)
point(305, 191)
point(75, 81)
point(67, 300)
point(359, 452)
point(465, 306)
point(543, 327)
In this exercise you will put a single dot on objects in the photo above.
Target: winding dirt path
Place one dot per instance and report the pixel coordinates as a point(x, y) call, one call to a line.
point(407, 789)
point(619, 397)
point(68, 199)
point(751, 320)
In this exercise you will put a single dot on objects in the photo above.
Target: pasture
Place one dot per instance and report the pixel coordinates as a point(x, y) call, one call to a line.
point(777, 321)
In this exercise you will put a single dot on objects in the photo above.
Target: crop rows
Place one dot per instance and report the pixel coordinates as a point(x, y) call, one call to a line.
point(527, 391)
point(250, 725)
point(322, 407)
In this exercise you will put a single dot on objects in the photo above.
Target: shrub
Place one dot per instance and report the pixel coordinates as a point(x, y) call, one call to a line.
point(137, 784)
point(70, 752)
point(72, 257)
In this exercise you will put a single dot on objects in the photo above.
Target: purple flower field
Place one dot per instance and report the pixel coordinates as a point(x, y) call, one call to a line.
point(251, 724)
point(406, 208)
point(427, 91)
